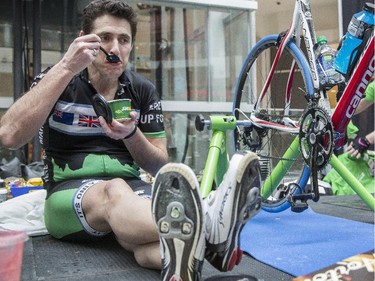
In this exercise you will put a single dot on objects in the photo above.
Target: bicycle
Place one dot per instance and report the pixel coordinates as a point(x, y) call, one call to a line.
point(295, 137)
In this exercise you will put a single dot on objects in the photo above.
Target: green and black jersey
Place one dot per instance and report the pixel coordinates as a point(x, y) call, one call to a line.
point(74, 143)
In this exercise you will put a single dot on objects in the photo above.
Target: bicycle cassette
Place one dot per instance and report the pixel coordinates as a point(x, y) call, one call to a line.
point(316, 131)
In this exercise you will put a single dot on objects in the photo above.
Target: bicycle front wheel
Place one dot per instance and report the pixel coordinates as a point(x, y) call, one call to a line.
point(276, 114)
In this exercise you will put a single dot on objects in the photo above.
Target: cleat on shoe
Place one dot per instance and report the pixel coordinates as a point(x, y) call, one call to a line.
point(178, 214)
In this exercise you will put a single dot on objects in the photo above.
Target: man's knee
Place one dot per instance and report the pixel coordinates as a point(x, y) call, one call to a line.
point(114, 189)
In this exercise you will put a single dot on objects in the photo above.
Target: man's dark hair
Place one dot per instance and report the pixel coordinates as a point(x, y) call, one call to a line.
point(118, 9)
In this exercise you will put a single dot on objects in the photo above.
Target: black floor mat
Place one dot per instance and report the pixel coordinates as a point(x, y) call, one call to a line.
point(46, 258)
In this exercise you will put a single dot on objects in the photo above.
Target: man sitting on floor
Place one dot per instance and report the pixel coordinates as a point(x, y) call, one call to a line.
point(92, 167)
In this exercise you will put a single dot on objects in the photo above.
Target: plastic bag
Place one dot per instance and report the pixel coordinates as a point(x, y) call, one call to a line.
point(14, 168)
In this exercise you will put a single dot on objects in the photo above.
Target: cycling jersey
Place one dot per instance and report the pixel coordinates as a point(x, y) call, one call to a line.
point(74, 143)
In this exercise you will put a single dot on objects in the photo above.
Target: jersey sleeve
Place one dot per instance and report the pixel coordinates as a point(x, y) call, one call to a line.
point(151, 118)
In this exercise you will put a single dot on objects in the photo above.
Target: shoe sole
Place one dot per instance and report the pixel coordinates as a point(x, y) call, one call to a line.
point(252, 203)
point(247, 205)
point(177, 211)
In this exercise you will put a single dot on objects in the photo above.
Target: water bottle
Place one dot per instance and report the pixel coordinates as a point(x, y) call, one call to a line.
point(354, 41)
point(325, 57)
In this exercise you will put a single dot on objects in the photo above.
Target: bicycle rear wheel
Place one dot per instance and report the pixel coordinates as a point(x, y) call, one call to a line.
point(280, 107)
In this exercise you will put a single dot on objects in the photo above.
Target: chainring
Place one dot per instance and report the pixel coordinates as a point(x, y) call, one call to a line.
point(316, 131)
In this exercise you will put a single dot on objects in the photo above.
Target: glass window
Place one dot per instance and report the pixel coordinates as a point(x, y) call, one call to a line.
point(190, 52)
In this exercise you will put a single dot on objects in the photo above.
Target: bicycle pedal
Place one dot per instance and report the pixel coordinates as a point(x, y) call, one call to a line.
point(299, 207)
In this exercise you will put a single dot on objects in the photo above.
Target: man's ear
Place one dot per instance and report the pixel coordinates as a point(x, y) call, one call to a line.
point(81, 33)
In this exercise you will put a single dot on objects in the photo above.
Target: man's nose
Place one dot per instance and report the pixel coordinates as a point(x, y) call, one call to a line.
point(114, 47)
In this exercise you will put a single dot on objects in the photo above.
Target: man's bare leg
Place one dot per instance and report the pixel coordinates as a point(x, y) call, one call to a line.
point(113, 206)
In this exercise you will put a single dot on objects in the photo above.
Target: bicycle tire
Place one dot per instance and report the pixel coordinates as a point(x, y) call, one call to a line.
point(271, 144)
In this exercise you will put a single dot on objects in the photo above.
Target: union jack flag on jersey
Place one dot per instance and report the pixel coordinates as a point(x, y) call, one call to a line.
point(88, 121)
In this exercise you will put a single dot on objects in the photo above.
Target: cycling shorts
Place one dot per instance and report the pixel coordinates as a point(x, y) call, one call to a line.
point(63, 214)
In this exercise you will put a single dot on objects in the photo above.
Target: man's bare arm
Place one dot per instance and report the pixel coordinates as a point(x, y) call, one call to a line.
point(24, 118)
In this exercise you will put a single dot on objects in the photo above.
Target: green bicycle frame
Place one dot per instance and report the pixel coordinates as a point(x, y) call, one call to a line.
point(353, 182)
point(284, 165)
point(217, 159)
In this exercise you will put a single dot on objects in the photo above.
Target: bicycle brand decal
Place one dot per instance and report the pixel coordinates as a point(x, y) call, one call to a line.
point(360, 91)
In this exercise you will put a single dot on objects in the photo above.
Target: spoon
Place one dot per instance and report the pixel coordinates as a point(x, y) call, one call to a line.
point(111, 58)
